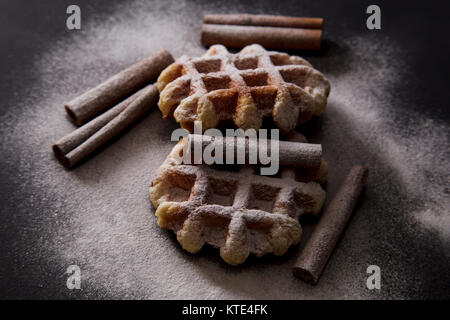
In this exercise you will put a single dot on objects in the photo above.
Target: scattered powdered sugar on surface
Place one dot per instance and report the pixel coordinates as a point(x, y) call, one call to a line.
point(417, 155)
point(99, 215)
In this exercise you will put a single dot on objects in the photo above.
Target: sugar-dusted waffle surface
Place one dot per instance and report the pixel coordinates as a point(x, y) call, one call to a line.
point(244, 88)
point(239, 212)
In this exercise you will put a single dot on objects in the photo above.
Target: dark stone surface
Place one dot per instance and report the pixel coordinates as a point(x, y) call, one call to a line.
point(45, 225)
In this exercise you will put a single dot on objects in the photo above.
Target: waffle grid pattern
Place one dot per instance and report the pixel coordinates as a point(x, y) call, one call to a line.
point(243, 87)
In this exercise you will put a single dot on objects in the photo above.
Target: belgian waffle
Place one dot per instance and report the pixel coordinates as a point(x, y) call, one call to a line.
point(238, 212)
point(244, 87)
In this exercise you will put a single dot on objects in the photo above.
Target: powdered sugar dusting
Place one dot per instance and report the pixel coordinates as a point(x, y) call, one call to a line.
point(418, 156)
point(99, 215)
point(256, 78)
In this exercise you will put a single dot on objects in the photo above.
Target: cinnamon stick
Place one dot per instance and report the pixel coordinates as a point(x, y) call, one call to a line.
point(78, 145)
point(77, 137)
point(115, 89)
point(269, 37)
point(294, 154)
point(264, 20)
point(315, 254)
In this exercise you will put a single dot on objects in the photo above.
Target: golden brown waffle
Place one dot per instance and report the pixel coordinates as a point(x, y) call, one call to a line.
point(243, 87)
point(238, 212)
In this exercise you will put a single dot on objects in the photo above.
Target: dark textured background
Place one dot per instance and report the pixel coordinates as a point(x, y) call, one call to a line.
point(415, 263)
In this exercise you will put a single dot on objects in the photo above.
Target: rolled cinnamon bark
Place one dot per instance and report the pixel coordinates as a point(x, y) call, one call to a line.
point(293, 154)
point(78, 145)
point(269, 37)
point(77, 137)
point(263, 20)
point(315, 254)
point(115, 89)
point(306, 175)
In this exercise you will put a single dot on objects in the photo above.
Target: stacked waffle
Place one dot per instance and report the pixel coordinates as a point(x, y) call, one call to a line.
point(243, 87)
point(238, 211)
